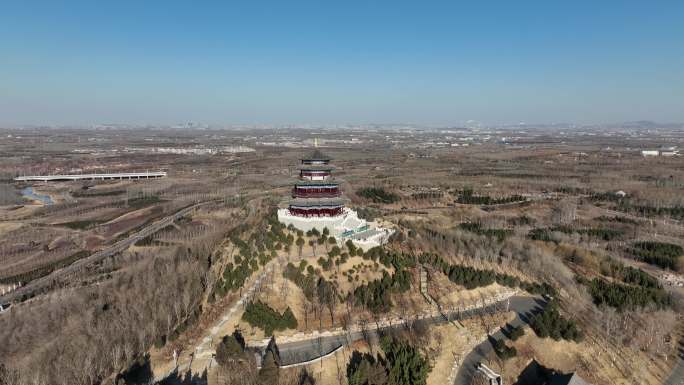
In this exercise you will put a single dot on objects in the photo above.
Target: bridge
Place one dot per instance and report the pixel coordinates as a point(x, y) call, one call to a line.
point(113, 176)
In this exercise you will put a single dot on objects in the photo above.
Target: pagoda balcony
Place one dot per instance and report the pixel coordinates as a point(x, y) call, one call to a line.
point(316, 212)
point(319, 193)
point(308, 174)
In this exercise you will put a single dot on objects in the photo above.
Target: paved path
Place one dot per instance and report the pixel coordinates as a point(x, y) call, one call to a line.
point(298, 352)
point(524, 308)
point(677, 375)
point(292, 353)
point(41, 284)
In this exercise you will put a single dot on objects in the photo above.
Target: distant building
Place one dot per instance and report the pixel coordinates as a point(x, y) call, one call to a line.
point(237, 149)
point(669, 152)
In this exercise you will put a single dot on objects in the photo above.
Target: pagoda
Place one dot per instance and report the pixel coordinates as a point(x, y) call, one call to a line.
point(316, 203)
point(316, 193)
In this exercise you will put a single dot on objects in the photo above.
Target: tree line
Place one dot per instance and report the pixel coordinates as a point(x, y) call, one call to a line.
point(472, 278)
point(468, 197)
point(44, 270)
point(665, 255)
point(628, 274)
point(477, 228)
point(626, 297)
point(546, 234)
point(377, 195)
point(625, 204)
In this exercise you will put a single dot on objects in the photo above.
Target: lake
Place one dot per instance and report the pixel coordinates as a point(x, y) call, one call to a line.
point(30, 194)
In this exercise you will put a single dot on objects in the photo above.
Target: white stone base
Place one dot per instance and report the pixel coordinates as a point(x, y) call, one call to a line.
point(337, 225)
point(372, 239)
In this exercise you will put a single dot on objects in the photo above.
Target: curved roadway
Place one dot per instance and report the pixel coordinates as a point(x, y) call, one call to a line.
point(292, 353)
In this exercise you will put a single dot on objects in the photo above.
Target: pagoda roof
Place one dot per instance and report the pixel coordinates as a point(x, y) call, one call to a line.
point(314, 202)
point(317, 155)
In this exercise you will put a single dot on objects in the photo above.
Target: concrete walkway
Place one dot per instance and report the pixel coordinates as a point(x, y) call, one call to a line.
point(313, 346)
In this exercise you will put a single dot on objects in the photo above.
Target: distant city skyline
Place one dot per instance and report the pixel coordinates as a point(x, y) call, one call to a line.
point(273, 63)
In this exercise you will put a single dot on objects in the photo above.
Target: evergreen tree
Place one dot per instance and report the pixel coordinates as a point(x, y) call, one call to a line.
point(230, 349)
point(269, 374)
point(363, 369)
point(300, 245)
point(289, 320)
point(407, 365)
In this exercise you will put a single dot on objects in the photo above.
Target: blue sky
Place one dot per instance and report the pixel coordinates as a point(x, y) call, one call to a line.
point(428, 62)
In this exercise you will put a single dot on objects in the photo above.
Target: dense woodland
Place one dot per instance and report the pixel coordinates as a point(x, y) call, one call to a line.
point(477, 228)
point(666, 255)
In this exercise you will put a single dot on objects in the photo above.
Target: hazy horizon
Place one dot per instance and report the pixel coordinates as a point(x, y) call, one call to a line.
point(435, 63)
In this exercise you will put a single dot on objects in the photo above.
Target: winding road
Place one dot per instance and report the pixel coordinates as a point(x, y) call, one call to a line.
point(293, 353)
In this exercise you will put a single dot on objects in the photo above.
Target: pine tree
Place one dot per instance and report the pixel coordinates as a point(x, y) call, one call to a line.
point(270, 365)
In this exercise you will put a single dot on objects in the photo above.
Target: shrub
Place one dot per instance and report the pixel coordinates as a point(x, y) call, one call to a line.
point(517, 332)
point(264, 317)
point(504, 351)
point(363, 369)
point(550, 323)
